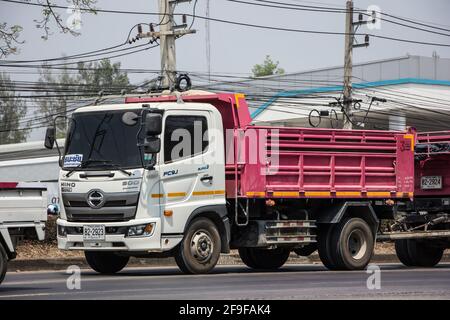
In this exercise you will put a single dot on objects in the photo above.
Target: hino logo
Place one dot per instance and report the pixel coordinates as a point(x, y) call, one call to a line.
point(95, 199)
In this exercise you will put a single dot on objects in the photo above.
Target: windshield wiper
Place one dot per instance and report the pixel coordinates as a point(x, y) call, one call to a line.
point(113, 165)
point(84, 164)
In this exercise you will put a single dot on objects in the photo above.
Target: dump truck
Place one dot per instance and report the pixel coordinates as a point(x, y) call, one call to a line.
point(189, 176)
point(23, 213)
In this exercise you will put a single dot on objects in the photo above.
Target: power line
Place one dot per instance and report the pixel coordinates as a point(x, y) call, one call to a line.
point(328, 10)
point(143, 46)
point(245, 24)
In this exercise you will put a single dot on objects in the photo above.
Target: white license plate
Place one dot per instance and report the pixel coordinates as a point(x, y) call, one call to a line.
point(94, 233)
point(431, 182)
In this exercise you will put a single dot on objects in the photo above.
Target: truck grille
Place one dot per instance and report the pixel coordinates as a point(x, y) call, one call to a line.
point(118, 206)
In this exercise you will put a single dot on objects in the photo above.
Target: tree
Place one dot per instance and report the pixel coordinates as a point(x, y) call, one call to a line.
point(12, 111)
point(9, 36)
point(267, 68)
point(66, 90)
point(60, 90)
point(102, 76)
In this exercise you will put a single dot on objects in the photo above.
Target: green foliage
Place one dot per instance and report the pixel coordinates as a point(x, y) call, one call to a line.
point(267, 68)
point(90, 80)
point(12, 110)
point(102, 76)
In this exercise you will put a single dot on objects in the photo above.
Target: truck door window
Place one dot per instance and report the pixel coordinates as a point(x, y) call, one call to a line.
point(184, 137)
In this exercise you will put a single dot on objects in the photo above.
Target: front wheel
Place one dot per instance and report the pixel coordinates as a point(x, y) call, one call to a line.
point(3, 262)
point(105, 262)
point(265, 259)
point(200, 248)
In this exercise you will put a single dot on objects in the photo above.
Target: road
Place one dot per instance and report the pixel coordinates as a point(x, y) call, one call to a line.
point(233, 282)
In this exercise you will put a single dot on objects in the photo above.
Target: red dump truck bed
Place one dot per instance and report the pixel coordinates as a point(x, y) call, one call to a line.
point(322, 163)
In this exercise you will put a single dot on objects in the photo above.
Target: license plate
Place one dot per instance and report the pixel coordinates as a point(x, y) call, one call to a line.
point(431, 182)
point(94, 233)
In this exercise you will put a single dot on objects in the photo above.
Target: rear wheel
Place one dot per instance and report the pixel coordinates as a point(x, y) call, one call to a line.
point(199, 250)
point(105, 262)
point(266, 259)
point(324, 246)
point(3, 262)
point(424, 254)
point(401, 249)
point(352, 244)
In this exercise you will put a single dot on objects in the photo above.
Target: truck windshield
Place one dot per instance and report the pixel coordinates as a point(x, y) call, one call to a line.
point(103, 140)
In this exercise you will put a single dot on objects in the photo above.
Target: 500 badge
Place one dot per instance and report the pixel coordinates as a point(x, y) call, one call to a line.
point(131, 184)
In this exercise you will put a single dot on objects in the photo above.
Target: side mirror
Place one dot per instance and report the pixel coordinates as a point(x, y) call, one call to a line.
point(153, 124)
point(50, 138)
point(152, 145)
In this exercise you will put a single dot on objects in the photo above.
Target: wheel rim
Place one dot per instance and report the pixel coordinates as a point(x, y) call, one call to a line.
point(357, 244)
point(202, 246)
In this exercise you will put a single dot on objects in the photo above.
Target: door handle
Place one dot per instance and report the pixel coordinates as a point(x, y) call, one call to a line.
point(206, 178)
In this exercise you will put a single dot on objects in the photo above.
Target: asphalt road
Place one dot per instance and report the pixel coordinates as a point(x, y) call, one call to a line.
point(233, 282)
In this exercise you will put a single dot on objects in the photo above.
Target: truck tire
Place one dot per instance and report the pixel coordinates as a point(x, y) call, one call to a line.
point(247, 258)
point(424, 254)
point(3, 262)
point(199, 250)
point(264, 259)
point(324, 246)
point(352, 244)
point(105, 262)
point(401, 249)
point(307, 250)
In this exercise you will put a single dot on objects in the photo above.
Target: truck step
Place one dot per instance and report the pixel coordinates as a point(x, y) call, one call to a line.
point(291, 224)
point(286, 239)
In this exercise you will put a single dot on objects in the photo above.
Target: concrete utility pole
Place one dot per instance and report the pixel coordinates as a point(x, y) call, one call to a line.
point(208, 41)
point(167, 43)
point(167, 34)
point(348, 66)
point(348, 60)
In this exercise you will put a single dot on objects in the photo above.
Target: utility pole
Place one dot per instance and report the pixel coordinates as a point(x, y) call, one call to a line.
point(350, 30)
point(348, 66)
point(208, 41)
point(167, 34)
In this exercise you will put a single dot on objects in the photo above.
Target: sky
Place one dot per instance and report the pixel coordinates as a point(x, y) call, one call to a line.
point(234, 49)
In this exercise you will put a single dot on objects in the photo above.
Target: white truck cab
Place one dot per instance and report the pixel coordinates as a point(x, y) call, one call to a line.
point(118, 200)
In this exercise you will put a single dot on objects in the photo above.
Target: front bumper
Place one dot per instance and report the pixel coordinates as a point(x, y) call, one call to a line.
point(112, 242)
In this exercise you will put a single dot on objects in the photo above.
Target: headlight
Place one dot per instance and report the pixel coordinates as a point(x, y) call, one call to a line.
point(143, 230)
point(62, 231)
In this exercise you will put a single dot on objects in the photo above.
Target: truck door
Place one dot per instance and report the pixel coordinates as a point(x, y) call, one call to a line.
point(186, 170)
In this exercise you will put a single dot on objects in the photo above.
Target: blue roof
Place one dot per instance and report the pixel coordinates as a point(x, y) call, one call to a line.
point(361, 85)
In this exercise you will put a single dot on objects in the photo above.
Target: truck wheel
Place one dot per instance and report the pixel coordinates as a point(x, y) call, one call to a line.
point(424, 254)
point(307, 250)
point(200, 248)
point(247, 258)
point(266, 259)
point(352, 244)
point(3, 262)
point(105, 262)
point(324, 246)
point(401, 249)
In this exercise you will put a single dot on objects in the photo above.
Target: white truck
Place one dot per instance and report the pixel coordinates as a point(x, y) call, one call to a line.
point(23, 213)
